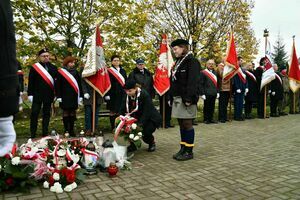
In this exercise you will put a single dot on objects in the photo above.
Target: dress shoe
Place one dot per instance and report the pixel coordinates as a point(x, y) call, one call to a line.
point(222, 121)
point(152, 147)
point(283, 114)
point(185, 156)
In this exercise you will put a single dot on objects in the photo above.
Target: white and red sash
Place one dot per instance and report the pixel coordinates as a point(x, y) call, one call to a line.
point(242, 76)
point(211, 76)
point(251, 75)
point(117, 75)
point(44, 74)
point(70, 78)
point(278, 77)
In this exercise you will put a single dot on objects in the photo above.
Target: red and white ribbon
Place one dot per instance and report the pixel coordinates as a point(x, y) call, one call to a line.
point(211, 76)
point(125, 120)
point(44, 74)
point(117, 75)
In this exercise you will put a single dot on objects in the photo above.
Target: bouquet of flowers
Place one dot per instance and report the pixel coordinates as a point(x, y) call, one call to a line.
point(15, 172)
point(129, 130)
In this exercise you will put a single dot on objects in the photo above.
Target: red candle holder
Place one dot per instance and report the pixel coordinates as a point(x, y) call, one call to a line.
point(112, 169)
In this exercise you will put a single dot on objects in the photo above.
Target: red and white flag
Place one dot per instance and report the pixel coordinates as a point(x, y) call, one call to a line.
point(269, 73)
point(95, 70)
point(294, 71)
point(162, 74)
point(231, 60)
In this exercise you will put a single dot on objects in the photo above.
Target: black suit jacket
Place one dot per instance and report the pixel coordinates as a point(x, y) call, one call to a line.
point(9, 91)
point(37, 86)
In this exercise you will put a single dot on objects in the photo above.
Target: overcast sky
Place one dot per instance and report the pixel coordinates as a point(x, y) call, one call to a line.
point(278, 16)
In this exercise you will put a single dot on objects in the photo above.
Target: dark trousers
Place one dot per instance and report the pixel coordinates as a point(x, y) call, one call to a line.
point(148, 130)
point(223, 104)
point(88, 109)
point(273, 104)
point(238, 105)
point(168, 110)
point(209, 107)
point(35, 110)
point(248, 107)
point(261, 103)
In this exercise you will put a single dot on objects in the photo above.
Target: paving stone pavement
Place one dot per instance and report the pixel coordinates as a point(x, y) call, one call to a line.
point(254, 159)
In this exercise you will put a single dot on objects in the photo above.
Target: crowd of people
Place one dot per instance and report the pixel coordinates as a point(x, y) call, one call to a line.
point(134, 94)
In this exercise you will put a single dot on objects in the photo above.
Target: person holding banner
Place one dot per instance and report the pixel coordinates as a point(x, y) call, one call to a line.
point(224, 87)
point(116, 93)
point(41, 89)
point(276, 92)
point(261, 91)
point(137, 103)
point(240, 89)
point(88, 93)
point(251, 96)
point(209, 91)
point(69, 93)
point(185, 91)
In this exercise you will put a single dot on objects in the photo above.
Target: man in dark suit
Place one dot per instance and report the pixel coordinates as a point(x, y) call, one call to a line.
point(209, 91)
point(261, 92)
point(143, 77)
point(8, 78)
point(138, 104)
point(251, 96)
point(42, 76)
point(276, 92)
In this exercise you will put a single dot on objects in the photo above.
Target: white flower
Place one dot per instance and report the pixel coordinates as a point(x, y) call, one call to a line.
point(131, 136)
point(61, 152)
point(15, 160)
point(68, 188)
point(75, 158)
point(56, 176)
point(140, 134)
point(136, 138)
point(74, 185)
point(46, 184)
point(0, 168)
point(59, 190)
point(134, 126)
point(52, 188)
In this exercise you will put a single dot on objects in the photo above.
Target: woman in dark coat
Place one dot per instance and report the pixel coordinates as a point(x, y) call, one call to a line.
point(69, 92)
point(138, 102)
point(185, 92)
point(116, 93)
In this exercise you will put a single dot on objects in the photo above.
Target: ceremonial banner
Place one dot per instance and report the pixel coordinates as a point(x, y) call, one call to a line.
point(95, 71)
point(165, 63)
point(294, 71)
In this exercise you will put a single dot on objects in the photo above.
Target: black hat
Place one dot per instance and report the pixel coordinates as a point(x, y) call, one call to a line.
point(44, 50)
point(179, 42)
point(130, 84)
point(140, 61)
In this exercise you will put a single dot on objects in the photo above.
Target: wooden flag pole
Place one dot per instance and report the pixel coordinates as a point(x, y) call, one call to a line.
point(94, 112)
point(294, 103)
point(266, 34)
point(164, 111)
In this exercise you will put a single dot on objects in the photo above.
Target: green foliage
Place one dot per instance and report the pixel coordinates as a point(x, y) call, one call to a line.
point(206, 25)
point(15, 176)
point(279, 54)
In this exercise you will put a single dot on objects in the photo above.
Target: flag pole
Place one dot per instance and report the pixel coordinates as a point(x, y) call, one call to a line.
point(230, 101)
point(164, 111)
point(94, 112)
point(266, 34)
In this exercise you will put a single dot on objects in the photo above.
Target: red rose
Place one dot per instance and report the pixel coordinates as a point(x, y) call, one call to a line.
point(9, 181)
point(127, 129)
point(70, 176)
point(51, 180)
point(7, 156)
